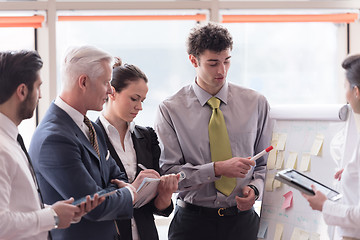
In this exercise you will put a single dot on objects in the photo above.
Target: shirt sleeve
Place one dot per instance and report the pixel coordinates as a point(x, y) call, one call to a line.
point(341, 215)
point(15, 224)
point(131, 193)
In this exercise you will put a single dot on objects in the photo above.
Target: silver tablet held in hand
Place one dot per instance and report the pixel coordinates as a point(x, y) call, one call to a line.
point(303, 183)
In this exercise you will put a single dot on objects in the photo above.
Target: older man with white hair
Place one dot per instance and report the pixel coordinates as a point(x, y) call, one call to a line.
point(71, 157)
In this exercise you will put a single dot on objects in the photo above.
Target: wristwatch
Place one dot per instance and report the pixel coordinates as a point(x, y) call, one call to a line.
point(256, 191)
point(56, 218)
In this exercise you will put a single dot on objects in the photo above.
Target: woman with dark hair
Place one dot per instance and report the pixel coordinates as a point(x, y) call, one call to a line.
point(345, 214)
point(130, 145)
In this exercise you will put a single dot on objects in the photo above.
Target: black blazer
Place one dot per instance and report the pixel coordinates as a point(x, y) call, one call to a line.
point(147, 150)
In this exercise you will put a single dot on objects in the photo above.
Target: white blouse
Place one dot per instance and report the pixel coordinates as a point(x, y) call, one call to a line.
point(346, 214)
point(127, 156)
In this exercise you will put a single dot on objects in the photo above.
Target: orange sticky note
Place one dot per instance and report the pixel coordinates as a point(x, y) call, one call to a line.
point(288, 200)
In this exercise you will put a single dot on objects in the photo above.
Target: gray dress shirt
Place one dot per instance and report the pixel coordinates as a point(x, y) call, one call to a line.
point(182, 127)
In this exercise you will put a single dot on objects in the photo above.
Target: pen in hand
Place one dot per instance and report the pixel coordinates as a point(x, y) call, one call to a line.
point(142, 166)
point(262, 153)
point(182, 174)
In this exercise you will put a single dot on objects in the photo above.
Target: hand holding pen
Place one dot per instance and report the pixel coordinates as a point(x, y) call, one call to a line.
point(237, 167)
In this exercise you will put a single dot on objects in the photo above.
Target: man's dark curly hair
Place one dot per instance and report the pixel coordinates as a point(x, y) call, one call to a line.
point(211, 36)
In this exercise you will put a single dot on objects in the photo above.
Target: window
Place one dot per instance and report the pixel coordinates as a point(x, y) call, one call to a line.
point(15, 39)
point(294, 58)
point(156, 47)
point(276, 59)
point(293, 63)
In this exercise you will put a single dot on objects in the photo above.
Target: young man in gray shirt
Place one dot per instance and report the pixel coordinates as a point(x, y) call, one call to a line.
point(204, 210)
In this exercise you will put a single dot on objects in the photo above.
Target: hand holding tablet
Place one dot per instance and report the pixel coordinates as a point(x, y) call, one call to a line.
point(303, 183)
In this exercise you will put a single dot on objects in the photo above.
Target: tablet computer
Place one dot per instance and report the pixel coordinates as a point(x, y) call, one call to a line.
point(102, 193)
point(303, 183)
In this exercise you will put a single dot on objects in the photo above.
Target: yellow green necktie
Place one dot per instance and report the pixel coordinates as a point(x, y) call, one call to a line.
point(220, 147)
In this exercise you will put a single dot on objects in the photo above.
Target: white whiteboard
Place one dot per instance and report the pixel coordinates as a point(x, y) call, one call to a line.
point(300, 138)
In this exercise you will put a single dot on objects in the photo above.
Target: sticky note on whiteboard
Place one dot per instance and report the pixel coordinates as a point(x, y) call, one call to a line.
point(276, 184)
point(275, 137)
point(317, 145)
point(291, 161)
point(279, 160)
point(274, 143)
point(269, 182)
point(279, 231)
point(281, 142)
point(299, 234)
point(305, 162)
point(314, 236)
point(271, 162)
point(288, 200)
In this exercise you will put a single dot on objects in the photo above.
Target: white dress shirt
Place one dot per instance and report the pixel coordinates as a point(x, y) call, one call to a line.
point(127, 156)
point(75, 115)
point(346, 214)
point(21, 216)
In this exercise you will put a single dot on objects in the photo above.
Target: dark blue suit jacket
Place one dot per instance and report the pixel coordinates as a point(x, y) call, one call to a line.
point(67, 166)
point(147, 150)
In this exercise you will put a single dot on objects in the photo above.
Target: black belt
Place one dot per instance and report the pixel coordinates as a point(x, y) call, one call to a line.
point(211, 212)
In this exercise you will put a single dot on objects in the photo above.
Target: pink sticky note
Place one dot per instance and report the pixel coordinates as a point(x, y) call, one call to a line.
point(288, 200)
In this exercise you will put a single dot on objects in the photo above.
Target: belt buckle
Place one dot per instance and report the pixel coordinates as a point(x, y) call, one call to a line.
point(219, 212)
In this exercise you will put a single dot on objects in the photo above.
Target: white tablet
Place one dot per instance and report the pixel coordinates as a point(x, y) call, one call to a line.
point(303, 183)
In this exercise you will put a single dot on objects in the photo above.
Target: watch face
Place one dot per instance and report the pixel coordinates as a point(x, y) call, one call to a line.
point(56, 218)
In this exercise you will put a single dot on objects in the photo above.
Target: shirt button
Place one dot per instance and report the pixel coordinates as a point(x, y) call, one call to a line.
point(208, 178)
point(217, 202)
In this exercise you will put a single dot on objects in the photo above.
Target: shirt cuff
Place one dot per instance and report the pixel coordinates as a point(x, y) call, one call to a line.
point(46, 218)
point(334, 209)
point(131, 192)
point(76, 220)
point(256, 191)
point(211, 169)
